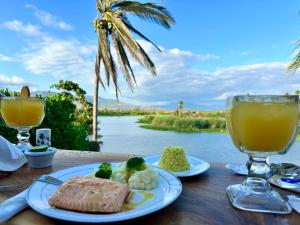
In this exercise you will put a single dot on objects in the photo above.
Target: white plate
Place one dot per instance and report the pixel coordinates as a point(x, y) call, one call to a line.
point(197, 165)
point(168, 189)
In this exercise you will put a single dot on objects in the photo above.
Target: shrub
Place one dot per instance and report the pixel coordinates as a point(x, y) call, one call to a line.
point(165, 121)
point(191, 123)
point(146, 119)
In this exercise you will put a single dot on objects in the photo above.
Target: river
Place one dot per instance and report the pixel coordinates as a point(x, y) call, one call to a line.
point(123, 135)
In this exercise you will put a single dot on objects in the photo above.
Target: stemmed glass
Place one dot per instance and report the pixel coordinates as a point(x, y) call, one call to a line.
point(22, 114)
point(261, 125)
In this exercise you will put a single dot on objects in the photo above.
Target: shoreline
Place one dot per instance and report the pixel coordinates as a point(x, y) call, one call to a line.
point(181, 130)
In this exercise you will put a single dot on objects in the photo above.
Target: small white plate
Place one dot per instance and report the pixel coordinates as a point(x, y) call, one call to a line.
point(275, 180)
point(198, 166)
point(240, 169)
point(167, 191)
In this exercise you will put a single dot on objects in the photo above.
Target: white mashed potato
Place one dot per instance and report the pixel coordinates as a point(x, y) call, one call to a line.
point(144, 180)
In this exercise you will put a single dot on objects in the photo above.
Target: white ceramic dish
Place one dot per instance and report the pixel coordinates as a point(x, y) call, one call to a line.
point(198, 166)
point(168, 189)
point(40, 159)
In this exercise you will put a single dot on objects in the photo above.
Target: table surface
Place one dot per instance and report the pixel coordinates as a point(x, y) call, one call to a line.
point(203, 199)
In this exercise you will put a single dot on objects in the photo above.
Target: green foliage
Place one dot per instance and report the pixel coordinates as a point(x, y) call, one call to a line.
point(146, 119)
point(71, 89)
point(166, 121)
point(183, 124)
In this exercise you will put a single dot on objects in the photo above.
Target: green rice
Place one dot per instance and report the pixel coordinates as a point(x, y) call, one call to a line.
point(174, 159)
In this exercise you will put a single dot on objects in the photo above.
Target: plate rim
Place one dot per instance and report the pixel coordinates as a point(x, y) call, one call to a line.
point(107, 220)
point(196, 172)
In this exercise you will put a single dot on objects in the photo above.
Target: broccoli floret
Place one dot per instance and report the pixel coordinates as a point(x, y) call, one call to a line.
point(135, 164)
point(104, 171)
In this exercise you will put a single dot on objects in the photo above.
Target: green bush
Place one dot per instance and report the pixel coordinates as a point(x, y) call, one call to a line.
point(146, 119)
point(165, 121)
point(191, 123)
point(60, 117)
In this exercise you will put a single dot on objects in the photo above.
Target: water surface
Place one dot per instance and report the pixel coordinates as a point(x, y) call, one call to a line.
point(123, 135)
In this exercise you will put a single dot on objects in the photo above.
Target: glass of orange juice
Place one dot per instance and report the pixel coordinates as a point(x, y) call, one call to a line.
point(261, 125)
point(22, 113)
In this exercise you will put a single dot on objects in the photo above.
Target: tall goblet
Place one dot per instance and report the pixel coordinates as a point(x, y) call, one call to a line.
point(22, 114)
point(261, 126)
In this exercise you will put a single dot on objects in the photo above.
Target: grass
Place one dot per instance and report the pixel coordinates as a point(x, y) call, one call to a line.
point(183, 124)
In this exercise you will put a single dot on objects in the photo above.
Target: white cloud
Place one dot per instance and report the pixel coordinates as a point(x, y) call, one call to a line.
point(49, 19)
point(178, 79)
point(188, 54)
point(18, 26)
point(5, 58)
point(11, 81)
point(65, 59)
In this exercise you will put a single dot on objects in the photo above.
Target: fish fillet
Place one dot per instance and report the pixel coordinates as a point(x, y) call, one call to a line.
point(91, 194)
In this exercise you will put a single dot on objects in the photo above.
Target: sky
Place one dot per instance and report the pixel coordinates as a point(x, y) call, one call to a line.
point(216, 49)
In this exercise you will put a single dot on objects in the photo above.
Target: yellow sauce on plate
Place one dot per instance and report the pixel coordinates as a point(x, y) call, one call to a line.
point(131, 205)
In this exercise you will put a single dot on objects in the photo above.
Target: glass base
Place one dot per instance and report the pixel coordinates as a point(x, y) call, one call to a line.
point(257, 198)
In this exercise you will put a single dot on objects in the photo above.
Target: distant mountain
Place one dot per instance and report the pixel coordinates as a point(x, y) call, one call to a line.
point(111, 103)
point(102, 102)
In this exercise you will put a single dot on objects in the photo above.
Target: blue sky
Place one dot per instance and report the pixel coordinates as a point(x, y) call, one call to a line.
point(217, 48)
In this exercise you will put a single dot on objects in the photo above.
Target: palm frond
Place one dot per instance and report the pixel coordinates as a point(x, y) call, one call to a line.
point(295, 62)
point(127, 40)
point(146, 11)
point(123, 61)
point(108, 61)
point(121, 29)
point(100, 5)
point(130, 27)
point(97, 66)
point(147, 60)
point(136, 54)
point(102, 39)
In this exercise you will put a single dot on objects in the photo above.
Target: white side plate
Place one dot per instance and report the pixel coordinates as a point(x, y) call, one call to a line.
point(168, 189)
point(198, 166)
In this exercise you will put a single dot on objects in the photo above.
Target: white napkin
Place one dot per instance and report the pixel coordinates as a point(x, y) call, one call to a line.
point(11, 158)
point(294, 202)
point(12, 206)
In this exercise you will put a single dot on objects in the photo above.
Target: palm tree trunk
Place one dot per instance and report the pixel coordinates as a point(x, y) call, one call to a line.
point(95, 108)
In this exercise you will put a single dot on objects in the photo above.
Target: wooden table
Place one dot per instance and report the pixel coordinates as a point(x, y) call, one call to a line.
point(203, 199)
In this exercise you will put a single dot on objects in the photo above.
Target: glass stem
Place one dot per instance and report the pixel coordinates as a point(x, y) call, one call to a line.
point(258, 167)
point(258, 175)
point(23, 137)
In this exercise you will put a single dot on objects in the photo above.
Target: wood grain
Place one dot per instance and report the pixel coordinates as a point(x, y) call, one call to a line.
point(202, 202)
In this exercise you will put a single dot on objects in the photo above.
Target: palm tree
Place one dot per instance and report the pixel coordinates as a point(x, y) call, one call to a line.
point(115, 31)
point(180, 106)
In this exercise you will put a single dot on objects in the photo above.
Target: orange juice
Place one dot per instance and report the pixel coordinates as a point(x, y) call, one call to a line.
point(22, 112)
point(263, 126)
